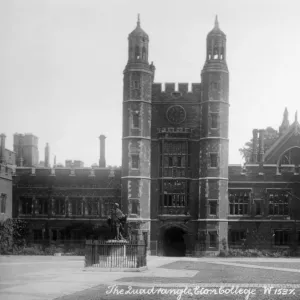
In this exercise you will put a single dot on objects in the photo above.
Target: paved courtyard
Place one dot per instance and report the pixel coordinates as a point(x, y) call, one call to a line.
point(64, 278)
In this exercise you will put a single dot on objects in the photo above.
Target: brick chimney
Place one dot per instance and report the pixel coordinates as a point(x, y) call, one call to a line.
point(102, 162)
point(2, 136)
point(47, 155)
point(261, 145)
point(254, 147)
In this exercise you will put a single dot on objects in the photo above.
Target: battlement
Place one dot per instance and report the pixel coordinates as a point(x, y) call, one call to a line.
point(177, 89)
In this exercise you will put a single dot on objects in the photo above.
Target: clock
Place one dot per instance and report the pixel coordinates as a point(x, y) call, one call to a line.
point(176, 114)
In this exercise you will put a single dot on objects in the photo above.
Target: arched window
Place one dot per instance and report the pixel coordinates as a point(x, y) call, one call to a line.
point(290, 157)
point(144, 55)
point(216, 52)
point(137, 52)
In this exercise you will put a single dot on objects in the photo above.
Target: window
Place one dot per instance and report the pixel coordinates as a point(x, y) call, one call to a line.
point(136, 84)
point(42, 206)
point(213, 207)
point(213, 160)
point(136, 120)
point(135, 161)
point(174, 154)
point(134, 207)
point(213, 239)
point(178, 161)
point(174, 193)
point(278, 203)
point(258, 207)
point(281, 237)
point(238, 202)
point(92, 207)
point(137, 52)
point(59, 206)
point(3, 203)
point(237, 237)
point(26, 206)
point(76, 206)
point(214, 120)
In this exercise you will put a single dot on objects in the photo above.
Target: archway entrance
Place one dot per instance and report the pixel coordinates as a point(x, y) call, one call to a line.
point(174, 242)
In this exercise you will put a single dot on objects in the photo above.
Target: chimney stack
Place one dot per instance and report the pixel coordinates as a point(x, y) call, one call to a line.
point(261, 145)
point(254, 147)
point(102, 162)
point(47, 155)
point(2, 136)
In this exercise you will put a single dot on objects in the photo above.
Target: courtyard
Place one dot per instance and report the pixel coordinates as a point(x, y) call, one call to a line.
point(64, 278)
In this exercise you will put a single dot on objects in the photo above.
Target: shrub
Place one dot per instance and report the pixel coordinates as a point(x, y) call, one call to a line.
point(30, 251)
point(13, 235)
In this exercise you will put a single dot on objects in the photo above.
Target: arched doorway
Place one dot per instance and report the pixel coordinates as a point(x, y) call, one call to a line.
point(173, 241)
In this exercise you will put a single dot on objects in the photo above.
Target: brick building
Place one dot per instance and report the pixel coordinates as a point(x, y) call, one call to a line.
point(175, 184)
point(66, 203)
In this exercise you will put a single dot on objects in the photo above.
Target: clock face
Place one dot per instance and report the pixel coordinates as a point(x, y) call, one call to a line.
point(176, 114)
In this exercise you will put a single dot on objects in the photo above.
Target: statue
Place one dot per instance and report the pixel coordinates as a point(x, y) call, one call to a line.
point(117, 221)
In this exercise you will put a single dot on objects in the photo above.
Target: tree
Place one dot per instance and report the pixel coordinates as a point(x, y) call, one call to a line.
point(270, 137)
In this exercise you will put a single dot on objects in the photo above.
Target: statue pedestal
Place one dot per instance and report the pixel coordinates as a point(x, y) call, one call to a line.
point(117, 256)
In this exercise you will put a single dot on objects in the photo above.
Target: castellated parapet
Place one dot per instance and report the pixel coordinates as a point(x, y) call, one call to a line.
point(173, 87)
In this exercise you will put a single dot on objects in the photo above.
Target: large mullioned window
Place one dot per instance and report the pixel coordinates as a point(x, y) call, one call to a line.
point(239, 202)
point(278, 203)
point(175, 159)
point(174, 193)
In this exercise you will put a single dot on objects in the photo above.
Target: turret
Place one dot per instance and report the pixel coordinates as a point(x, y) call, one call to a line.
point(214, 130)
point(136, 145)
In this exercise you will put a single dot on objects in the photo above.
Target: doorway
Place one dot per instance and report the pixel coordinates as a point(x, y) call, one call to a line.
point(174, 244)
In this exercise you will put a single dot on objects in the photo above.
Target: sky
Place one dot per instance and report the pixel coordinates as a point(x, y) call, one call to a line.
point(62, 62)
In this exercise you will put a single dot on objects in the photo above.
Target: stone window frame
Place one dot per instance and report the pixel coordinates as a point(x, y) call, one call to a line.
point(134, 202)
point(238, 203)
point(169, 197)
point(44, 199)
point(214, 120)
point(287, 238)
point(216, 202)
point(216, 156)
point(276, 202)
point(135, 161)
point(215, 233)
point(29, 201)
point(241, 236)
point(135, 120)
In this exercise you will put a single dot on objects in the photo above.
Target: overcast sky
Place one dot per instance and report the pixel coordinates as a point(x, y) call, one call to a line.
point(62, 62)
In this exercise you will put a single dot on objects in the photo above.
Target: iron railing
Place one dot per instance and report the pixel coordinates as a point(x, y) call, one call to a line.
point(115, 255)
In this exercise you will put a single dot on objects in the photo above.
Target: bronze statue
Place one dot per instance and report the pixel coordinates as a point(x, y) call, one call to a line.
point(117, 221)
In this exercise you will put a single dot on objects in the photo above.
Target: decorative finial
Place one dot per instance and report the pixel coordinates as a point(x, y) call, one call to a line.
point(296, 116)
point(138, 21)
point(216, 22)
